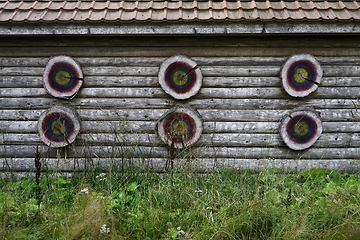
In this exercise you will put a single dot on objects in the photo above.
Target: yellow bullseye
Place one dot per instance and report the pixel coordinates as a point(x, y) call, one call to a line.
point(301, 128)
point(62, 77)
point(180, 78)
point(179, 127)
point(301, 75)
point(58, 127)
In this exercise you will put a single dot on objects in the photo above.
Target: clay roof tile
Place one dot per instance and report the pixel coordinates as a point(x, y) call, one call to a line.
point(354, 5)
point(181, 10)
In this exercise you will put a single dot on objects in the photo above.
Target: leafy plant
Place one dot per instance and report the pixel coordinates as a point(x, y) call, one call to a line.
point(316, 204)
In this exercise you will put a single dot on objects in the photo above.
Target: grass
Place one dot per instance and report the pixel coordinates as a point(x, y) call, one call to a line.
point(315, 204)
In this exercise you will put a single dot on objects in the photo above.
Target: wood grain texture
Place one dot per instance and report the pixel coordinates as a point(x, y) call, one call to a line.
point(241, 102)
point(218, 115)
point(128, 152)
point(211, 41)
point(164, 51)
point(152, 81)
point(160, 103)
point(327, 140)
point(207, 71)
point(223, 93)
point(23, 165)
point(156, 61)
point(141, 127)
point(234, 92)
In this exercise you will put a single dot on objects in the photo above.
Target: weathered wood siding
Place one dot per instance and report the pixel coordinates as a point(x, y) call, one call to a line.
point(241, 102)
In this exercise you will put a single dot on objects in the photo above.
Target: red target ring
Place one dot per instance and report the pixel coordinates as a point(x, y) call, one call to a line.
point(180, 126)
point(62, 77)
point(180, 77)
point(58, 126)
point(301, 128)
point(300, 75)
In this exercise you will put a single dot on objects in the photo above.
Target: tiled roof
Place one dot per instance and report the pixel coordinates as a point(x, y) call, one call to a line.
point(171, 11)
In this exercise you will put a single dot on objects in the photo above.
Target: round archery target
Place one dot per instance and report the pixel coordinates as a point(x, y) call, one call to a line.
point(62, 77)
point(58, 126)
point(301, 128)
point(180, 127)
point(300, 75)
point(180, 77)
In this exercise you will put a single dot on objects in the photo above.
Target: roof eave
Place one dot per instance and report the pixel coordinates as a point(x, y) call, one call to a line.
point(183, 28)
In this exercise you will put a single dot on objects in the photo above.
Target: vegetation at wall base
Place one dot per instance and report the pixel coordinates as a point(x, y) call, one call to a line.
point(315, 204)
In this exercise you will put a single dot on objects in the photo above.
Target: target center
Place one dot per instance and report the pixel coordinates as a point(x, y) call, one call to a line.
point(180, 78)
point(301, 75)
point(180, 128)
point(62, 77)
point(301, 128)
point(58, 127)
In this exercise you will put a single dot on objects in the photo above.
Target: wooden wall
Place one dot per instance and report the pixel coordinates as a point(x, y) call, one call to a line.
point(241, 102)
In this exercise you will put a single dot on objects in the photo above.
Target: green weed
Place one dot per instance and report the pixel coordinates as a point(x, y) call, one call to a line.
point(316, 204)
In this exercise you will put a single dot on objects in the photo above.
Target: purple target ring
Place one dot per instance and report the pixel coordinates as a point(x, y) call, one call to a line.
point(58, 126)
point(62, 77)
point(180, 126)
point(300, 128)
point(300, 75)
point(180, 77)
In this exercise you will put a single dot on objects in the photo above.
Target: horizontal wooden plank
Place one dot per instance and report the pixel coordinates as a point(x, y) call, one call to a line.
point(267, 92)
point(138, 127)
point(149, 71)
point(273, 127)
point(274, 115)
point(334, 115)
point(340, 81)
point(141, 61)
point(220, 40)
point(21, 81)
point(272, 71)
point(238, 81)
point(22, 71)
point(18, 126)
point(160, 165)
point(159, 51)
point(94, 71)
point(86, 126)
point(166, 103)
point(23, 92)
point(156, 61)
point(118, 151)
point(215, 40)
point(23, 151)
point(152, 81)
point(326, 140)
point(87, 103)
point(204, 93)
point(141, 127)
point(84, 61)
point(89, 81)
point(207, 71)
